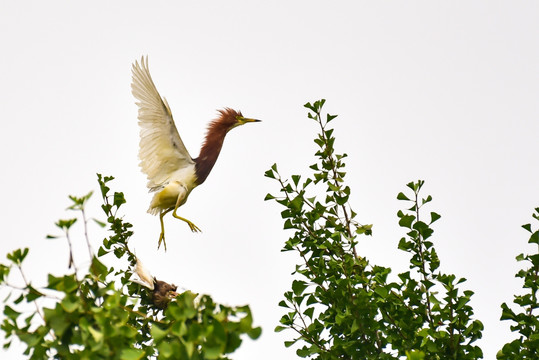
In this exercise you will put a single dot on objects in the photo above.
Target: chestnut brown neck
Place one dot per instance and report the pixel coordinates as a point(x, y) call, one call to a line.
point(210, 151)
point(228, 118)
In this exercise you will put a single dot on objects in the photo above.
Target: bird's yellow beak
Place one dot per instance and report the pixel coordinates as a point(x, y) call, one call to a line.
point(242, 120)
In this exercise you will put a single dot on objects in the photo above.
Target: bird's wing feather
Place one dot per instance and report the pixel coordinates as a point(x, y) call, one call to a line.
point(162, 151)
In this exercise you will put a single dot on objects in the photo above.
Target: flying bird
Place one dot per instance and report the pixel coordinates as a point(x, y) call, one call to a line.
point(172, 173)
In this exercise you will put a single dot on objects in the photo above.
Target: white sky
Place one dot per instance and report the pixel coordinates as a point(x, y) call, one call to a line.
point(445, 92)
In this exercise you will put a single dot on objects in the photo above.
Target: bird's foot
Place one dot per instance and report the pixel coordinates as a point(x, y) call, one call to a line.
point(193, 227)
point(162, 240)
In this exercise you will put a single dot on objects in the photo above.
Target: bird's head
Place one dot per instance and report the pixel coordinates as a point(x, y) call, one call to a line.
point(163, 293)
point(227, 120)
point(230, 118)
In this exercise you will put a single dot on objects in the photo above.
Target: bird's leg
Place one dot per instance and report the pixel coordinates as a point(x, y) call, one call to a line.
point(162, 235)
point(192, 226)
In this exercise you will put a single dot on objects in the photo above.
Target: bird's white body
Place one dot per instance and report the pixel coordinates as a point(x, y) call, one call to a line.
point(175, 192)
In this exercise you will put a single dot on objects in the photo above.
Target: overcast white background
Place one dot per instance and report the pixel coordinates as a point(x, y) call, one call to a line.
point(445, 92)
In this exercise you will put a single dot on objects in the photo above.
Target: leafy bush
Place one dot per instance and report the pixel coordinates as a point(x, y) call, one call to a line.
point(526, 322)
point(341, 306)
point(106, 315)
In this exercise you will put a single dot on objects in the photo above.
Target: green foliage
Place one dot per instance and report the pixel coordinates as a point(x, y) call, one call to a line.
point(105, 315)
point(342, 307)
point(526, 322)
point(439, 315)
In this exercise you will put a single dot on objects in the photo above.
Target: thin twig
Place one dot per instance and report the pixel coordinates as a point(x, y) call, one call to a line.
point(20, 288)
point(71, 260)
point(27, 286)
point(85, 221)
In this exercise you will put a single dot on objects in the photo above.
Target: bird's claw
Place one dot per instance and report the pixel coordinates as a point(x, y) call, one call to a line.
point(162, 240)
point(193, 227)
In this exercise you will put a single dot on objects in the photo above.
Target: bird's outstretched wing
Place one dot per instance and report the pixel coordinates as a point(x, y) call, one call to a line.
point(162, 151)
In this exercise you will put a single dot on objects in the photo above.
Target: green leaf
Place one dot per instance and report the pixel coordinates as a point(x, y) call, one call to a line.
point(328, 133)
point(18, 256)
point(364, 229)
point(406, 221)
point(269, 174)
point(4, 272)
point(132, 354)
point(98, 268)
point(65, 224)
point(415, 355)
point(255, 333)
point(311, 300)
point(382, 292)
point(280, 328)
point(101, 251)
point(100, 223)
point(119, 199)
point(212, 352)
point(289, 343)
point(11, 313)
point(283, 303)
point(299, 286)
point(297, 203)
point(79, 202)
point(288, 224)
point(309, 312)
point(534, 238)
point(507, 313)
point(401, 196)
point(69, 283)
point(428, 199)
point(434, 216)
point(165, 350)
point(157, 333)
point(70, 305)
point(97, 335)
